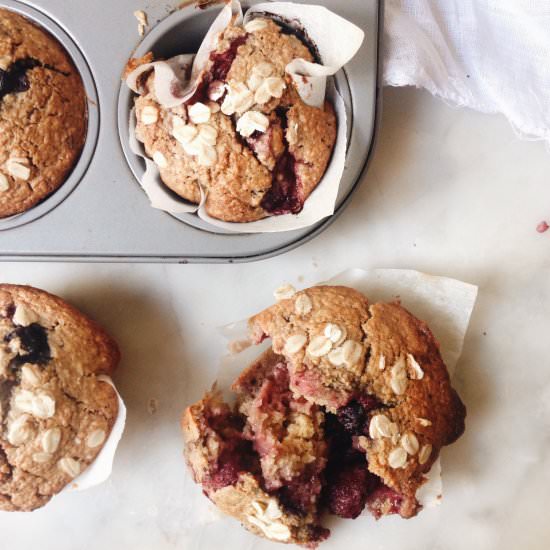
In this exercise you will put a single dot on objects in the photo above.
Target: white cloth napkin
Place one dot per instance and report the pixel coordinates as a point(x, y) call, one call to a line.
point(490, 55)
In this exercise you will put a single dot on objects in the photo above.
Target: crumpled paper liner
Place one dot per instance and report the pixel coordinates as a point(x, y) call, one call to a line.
point(325, 29)
point(444, 304)
point(100, 469)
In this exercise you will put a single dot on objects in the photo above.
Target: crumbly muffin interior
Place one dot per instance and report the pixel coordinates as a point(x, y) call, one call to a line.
point(346, 411)
point(305, 457)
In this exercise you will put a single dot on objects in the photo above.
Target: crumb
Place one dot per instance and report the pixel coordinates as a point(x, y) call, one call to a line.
point(152, 406)
point(201, 4)
point(301, 279)
point(141, 16)
point(542, 227)
point(484, 333)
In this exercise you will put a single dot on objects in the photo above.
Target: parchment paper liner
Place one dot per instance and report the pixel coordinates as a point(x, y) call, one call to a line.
point(100, 469)
point(325, 30)
point(445, 304)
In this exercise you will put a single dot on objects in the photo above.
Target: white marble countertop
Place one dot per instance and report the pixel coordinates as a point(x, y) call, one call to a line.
point(451, 193)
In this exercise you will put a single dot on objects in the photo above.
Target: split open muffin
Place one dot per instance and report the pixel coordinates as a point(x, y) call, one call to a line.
point(346, 411)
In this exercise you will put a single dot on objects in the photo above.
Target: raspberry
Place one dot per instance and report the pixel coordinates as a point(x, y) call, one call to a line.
point(300, 495)
point(226, 474)
point(348, 489)
point(353, 416)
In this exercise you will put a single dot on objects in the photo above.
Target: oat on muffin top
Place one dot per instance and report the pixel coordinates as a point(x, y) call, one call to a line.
point(55, 414)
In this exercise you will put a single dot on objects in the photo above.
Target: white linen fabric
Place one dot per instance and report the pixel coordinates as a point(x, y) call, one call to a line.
point(490, 55)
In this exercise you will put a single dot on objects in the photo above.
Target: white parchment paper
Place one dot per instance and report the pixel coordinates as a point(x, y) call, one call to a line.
point(325, 29)
point(445, 304)
point(100, 469)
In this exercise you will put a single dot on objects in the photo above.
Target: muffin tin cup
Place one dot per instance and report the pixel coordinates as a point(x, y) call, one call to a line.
point(81, 165)
point(338, 92)
point(101, 213)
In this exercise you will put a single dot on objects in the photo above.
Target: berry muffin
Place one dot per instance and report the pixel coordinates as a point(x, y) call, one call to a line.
point(244, 137)
point(43, 114)
point(55, 412)
point(346, 411)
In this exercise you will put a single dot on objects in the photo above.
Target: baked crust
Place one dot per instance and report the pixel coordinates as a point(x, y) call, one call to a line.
point(43, 114)
point(55, 413)
point(387, 335)
point(319, 380)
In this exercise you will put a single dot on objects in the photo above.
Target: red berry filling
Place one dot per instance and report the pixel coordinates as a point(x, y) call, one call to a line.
point(349, 484)
point(221, 62)
point(285, 195)
point(285, 432)
point(340, 482)
point(221, 65)
point(273, 398)
point(354, 418)
point(300, 495)
point(368, 402)
point(383, 501)
point(238, 457)
point(348, 487)
point(14, 79)
point(226, 473)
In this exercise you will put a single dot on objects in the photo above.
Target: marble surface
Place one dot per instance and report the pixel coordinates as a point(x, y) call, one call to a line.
point(450, 192)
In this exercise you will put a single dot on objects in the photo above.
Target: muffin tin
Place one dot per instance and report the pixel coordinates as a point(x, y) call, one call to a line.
point(100, 213)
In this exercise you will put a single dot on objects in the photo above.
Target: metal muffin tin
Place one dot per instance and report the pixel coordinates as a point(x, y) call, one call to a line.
point(100, 213)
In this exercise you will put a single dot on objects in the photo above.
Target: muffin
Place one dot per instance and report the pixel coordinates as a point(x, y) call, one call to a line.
point(244, 137)
point(43, 114)
point(55, 411)
point(346, 411)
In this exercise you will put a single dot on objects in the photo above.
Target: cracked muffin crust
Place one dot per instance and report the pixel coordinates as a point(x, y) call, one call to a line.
point(346, 411)
point(245, 137)
point(43, 114)
point(55, 414)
